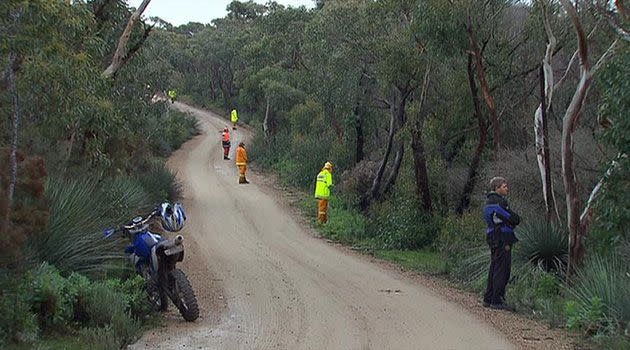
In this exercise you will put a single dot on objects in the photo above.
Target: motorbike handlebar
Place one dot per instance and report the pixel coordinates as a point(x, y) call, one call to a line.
point(131, 225)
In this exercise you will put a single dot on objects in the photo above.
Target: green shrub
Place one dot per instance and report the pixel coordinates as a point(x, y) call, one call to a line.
point(169, 131)
point(121, 198)
point(17, 322)
point(79, 211)
point(601, 295)
point(536, 290)
point(458, 234)
point(133, 293)
point(125, 327)
point(286, 169)
point(103, 304)
point(401, 224)
point(51, 297)
point(81, 287)
point(589, 316)
point(542, 245)
point(100, 338)
point(344, 224)
point(160, 183)
point(471, 266)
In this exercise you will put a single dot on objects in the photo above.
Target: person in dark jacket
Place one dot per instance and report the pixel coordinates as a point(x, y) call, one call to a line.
point(501, 221)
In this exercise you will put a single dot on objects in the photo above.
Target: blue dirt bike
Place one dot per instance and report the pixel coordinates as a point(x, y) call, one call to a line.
point(155, 257)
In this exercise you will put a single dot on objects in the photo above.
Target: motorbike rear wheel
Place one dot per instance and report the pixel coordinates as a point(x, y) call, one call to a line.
point(183, 295)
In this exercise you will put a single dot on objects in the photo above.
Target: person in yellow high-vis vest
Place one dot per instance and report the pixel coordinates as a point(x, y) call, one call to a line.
point(241, 163)
point(322, 191)
point(234, 118)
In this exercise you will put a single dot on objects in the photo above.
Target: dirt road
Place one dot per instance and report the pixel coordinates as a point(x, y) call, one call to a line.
point(265, 282)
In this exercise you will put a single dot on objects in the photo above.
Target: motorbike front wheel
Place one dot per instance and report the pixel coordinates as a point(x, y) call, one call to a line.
point(156, 296)
point(183, 295)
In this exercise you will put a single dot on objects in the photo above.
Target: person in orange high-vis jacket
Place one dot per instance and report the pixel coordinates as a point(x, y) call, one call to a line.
point(241, 163)
point(225, 142)
point(322, 191)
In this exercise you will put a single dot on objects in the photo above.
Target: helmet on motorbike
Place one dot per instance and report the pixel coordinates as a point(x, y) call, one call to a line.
point(172, 216)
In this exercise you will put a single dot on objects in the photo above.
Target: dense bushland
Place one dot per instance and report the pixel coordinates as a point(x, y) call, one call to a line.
point(418, 104)
point(80, 150)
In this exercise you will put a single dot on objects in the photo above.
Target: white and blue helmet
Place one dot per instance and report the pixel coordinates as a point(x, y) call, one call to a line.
point(172, 216)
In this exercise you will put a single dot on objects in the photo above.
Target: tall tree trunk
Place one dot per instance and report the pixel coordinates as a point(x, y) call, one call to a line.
point(14, 64)
point(358, 126)
point(122, 55)
point(464, 199)
point(393, 175)
point(570, 121)
point(420, 167)
point(401, 119)
point(485, 88)
point(376, 182)
point(359, 120)
point(578, 224)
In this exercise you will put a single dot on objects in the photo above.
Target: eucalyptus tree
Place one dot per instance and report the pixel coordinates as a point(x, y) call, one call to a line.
point(340, 62)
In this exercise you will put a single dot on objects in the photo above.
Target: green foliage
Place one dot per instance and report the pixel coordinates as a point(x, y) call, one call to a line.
point(101, 338)
point(461, 233)
point(401, 225)
point(81, 209)
point(612, 209)
point(43, 301)
point(601, 298)
point(17, 322)
point(74, 239)
point(590, 316)
point(171, 130)
point(471, 267)
point(344, 224)
point(133, 295)
point(52, 297)
point(542, 245)
point(538, 291)
point(160, 183)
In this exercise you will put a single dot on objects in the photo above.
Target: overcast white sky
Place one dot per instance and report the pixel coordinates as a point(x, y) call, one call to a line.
point(179, 12)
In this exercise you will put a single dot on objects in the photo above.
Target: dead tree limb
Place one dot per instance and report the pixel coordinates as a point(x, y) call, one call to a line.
point(587, 213)
point(485, 89)
point(122, 55)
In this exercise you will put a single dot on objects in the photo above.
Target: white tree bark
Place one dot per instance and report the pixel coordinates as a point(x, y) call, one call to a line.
point(540, 132)
point(587, 213)
point(121, 50)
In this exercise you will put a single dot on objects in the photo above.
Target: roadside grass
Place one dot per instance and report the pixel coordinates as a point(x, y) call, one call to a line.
point(425, 260)
point(348, 227)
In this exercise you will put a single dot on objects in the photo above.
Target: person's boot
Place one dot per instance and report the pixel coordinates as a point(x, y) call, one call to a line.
point(245, 181)
point(503, 306)
point(226, 157)
point(241, 180)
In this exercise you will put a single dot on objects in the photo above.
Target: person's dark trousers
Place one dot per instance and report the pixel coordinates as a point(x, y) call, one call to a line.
point(499, 274)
